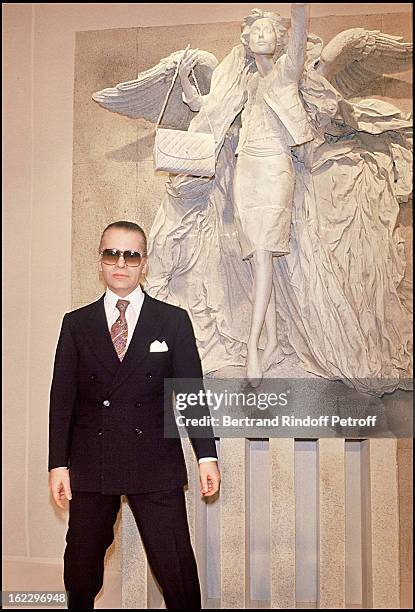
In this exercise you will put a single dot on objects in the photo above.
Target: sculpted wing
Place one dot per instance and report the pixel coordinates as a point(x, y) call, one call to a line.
point(357, 56)
point(144, 96)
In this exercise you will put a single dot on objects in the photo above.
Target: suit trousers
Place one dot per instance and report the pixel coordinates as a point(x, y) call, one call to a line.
point(162, 522)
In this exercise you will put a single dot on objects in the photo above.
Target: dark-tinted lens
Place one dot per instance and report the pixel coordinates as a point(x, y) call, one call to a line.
point(110, 256)
point(132, 258)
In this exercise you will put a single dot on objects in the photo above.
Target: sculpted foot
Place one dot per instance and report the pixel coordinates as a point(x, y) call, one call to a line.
point(272, 355)
point(253, 367)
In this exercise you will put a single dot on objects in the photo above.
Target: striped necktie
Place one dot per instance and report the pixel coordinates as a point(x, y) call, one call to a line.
point(119, 330)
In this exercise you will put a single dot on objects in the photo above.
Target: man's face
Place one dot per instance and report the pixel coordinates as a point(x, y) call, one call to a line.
point(262, 37)
point(120, 278)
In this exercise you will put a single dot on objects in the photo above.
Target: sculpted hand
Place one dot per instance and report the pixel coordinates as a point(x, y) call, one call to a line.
point(209, 478)
point(60, 485)
point(188, 62)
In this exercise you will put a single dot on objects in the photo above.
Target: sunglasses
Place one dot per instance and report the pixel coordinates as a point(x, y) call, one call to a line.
point(110, 257)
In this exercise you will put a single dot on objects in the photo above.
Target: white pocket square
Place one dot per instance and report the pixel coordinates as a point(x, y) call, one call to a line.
point(158, 347)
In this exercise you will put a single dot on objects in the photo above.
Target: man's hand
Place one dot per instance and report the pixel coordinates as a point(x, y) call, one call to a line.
point(60, 485)
point(209, 478)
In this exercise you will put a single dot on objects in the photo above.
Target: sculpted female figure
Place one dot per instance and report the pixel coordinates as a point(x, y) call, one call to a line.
point(281, 105)
point(273, 120)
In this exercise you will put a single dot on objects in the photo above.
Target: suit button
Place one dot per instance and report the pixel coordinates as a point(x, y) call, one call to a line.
point(100, 432)
point(138, 404)
point(149, 375)
point(106, 403)
point(138, 432)
point(93, 377)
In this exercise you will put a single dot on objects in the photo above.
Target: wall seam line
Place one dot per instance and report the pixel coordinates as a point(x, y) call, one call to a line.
point(29, 288)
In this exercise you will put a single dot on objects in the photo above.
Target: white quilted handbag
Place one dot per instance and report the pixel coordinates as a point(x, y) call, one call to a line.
point(183, 152)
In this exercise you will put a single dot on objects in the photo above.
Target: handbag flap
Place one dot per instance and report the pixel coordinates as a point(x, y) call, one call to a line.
point(178, 144)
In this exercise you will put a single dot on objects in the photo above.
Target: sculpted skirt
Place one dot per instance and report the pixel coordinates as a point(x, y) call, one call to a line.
point(263, 192)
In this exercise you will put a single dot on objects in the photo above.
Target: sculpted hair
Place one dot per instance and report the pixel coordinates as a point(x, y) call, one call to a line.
point(280, 30)
point(130, 227)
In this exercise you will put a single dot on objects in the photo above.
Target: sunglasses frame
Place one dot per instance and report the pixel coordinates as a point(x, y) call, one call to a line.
point(119, 254)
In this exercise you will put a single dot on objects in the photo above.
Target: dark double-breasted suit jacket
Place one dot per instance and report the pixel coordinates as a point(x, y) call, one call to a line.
point(107, 416)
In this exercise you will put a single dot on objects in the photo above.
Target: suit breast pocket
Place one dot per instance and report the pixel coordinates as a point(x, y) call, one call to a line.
point(158, 365)
point(159, 358)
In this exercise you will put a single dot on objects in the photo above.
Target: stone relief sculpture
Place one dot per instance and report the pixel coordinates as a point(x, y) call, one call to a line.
point(307, 189)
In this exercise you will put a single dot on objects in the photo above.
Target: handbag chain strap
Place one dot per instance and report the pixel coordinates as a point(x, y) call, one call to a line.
point(171, 89)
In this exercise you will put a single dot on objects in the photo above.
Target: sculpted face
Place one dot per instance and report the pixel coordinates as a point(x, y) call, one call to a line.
point(120, 278)
point(262, 37)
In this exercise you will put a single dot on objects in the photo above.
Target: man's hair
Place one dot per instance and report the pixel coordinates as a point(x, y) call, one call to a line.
point(130, 227)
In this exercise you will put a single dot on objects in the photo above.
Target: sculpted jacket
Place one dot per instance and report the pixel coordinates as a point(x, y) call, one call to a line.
point(229, 84)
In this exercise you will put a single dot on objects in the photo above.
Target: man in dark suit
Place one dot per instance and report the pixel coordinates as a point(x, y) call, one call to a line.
point(106, 433)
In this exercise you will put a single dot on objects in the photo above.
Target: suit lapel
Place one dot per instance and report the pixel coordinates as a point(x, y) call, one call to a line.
point(99, 338)
point(146, 330)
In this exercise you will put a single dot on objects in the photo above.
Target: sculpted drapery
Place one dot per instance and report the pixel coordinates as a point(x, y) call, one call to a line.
point(337, 291)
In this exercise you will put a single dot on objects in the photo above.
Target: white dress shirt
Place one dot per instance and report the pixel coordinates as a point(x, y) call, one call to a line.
point(132, 312)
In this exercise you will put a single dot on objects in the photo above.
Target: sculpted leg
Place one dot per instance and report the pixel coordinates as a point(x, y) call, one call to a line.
point(262, 267)
point(272, 353)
